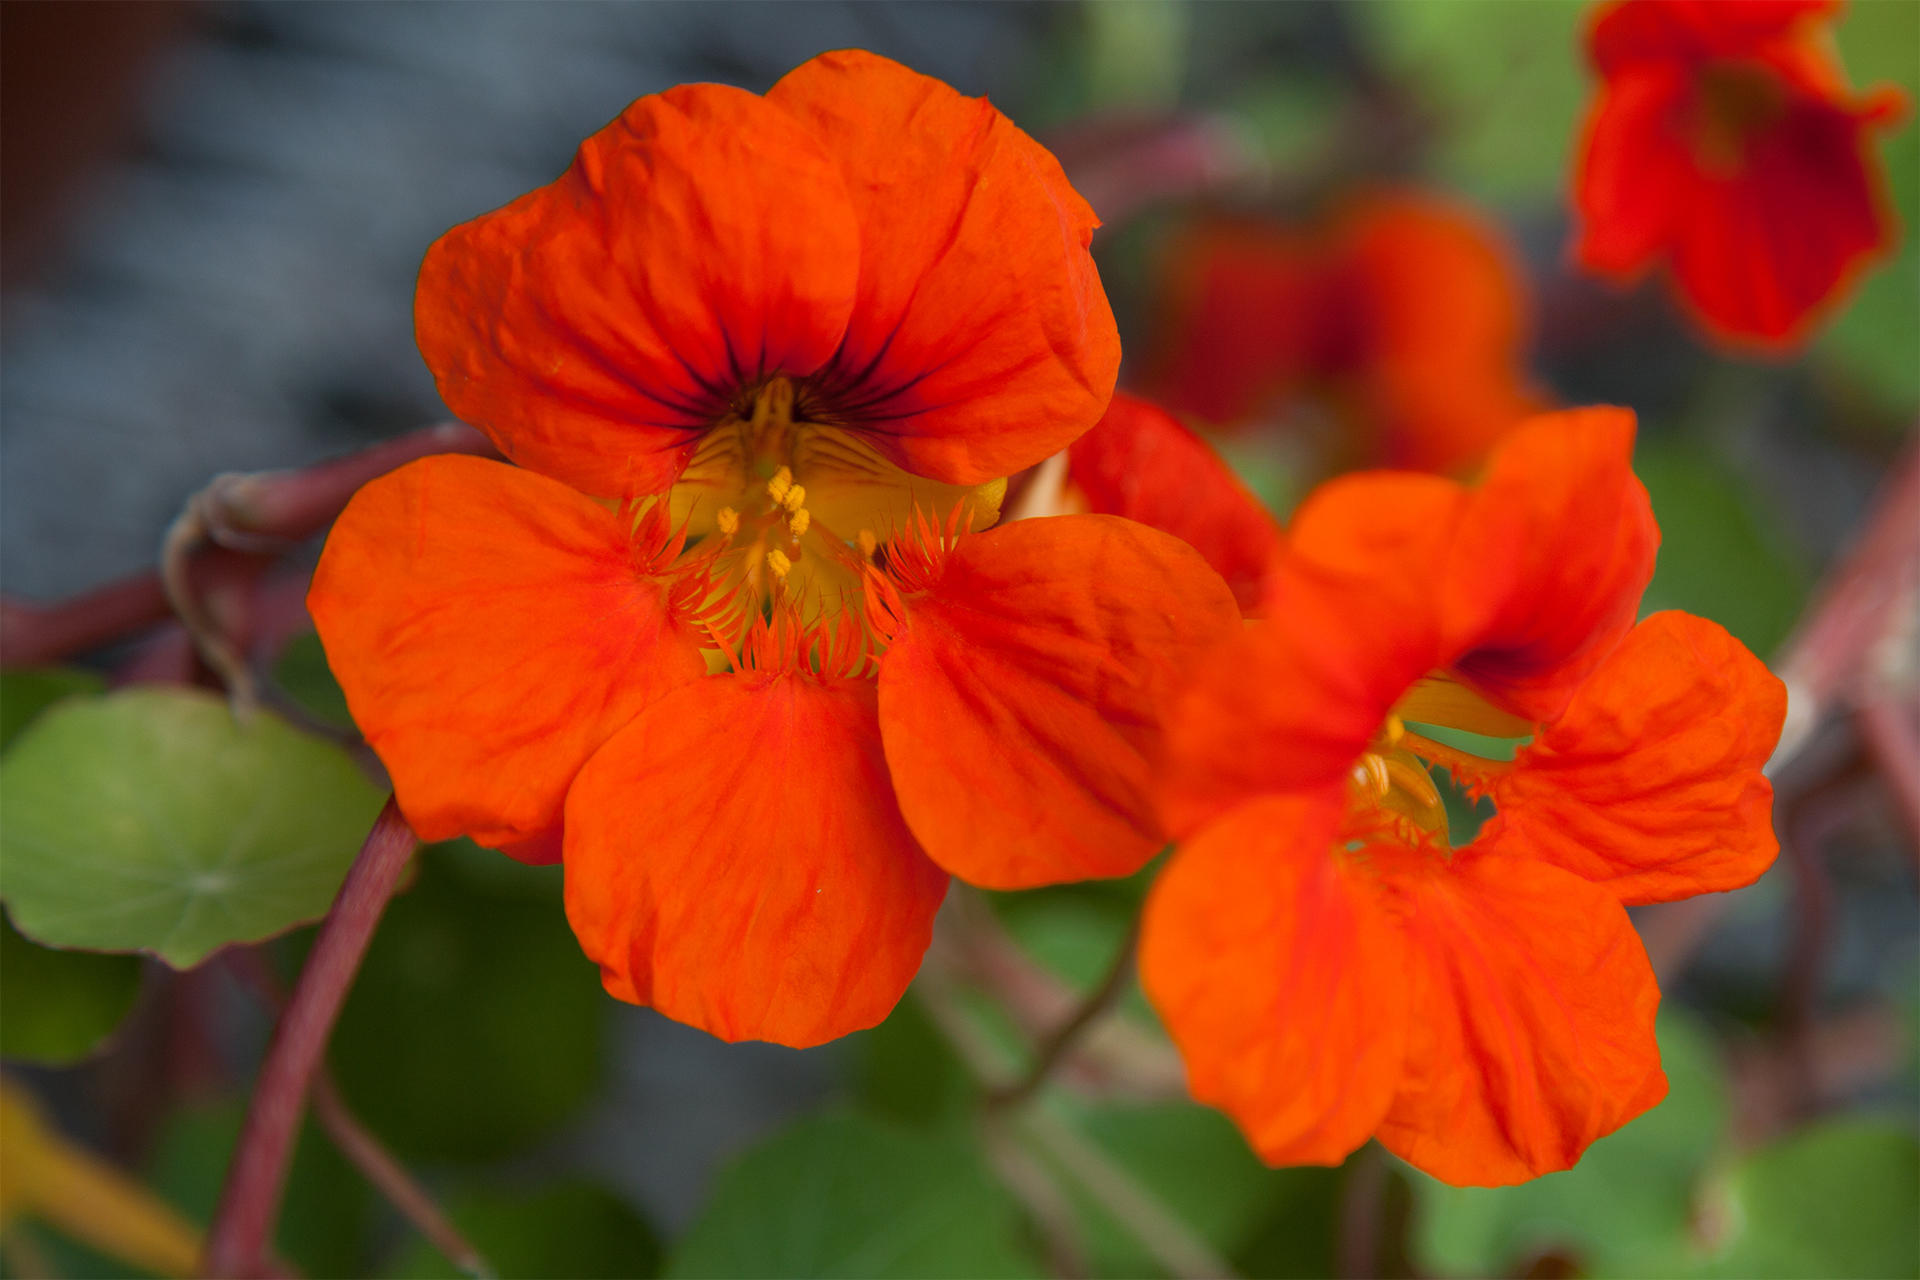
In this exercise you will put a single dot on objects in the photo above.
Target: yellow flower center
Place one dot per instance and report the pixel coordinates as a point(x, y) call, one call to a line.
point(1392, 785)
point(782, 509)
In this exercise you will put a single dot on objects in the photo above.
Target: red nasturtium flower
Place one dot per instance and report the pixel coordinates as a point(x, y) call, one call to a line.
point(1725, 140)
point(1329, 966)
point(733, 639)
point(1402, 318)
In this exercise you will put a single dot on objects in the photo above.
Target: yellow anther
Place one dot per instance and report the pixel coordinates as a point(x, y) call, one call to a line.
point(794, 498)
point(1396, 729)
point(781, 485)
point(729, 521)
point(868, 544)
point(797, 526)
point(777, 561)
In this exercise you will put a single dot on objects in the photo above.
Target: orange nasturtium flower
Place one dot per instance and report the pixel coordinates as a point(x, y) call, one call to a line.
point(734, 640)
point(1401, 317)
point(1725, 140)
point(1330, 967)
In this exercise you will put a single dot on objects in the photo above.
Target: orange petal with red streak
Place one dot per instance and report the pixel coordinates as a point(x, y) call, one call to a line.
point(1279, 974)
point(1531, 1023)
point(736, 860)
point(1557, 547)
point(1651, 783)
point(490, 628)
point(593, 327)
point(1022, 701)
point(981, 341)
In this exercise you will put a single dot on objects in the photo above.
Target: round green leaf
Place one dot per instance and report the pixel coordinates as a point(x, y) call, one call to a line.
point(150, 820)
point(845, 1195)
point(1836, 1199)
point(57, 1007)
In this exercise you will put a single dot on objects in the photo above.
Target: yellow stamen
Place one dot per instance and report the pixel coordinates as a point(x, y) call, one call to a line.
point(794, 498)
point(777, 561)
point(798, 525)
point(728, 521)
point(868, 544)
point(781, 485)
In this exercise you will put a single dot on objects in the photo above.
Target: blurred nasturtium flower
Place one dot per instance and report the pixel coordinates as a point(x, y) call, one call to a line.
point(1402, 319)
point(1726, 141)
point(730, 640)
point(1329, 965)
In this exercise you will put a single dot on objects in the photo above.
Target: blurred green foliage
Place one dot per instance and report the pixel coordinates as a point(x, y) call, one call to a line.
point(27, 691)
point(1506, 81)
point(1835, 1199)
point(304, 676)
point(846, 1195)
point(475, 1026)
point(1876, 337)
point(328, 1209)
point(573, 1228)
point(58, 1007)
point(1719, 556)
point(152, 820)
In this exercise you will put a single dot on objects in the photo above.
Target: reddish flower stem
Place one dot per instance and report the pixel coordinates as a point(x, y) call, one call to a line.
point(351, 1137)
point(250, 1201)
point(34, 634)
point(1061, 1040)
point(1891, 727)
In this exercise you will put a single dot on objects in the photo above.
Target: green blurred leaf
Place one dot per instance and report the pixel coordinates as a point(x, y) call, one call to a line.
point(1836, 1199)
point(846, 1195)
point(574, 1229)
point(1507, 78)
point(1876, 339)
point(149, 820)
point(905, 1070)
point(304, 676)
point(1193, 1161)
point(1136, 52)
point(327, 1208)
point(1629, 1199)
point(476, 1025)
point(27, 691)
point(1718, 557)
point(57, 1007)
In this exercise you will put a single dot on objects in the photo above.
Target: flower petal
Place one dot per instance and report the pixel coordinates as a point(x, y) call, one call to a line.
point(982, 341)
point(1650, 784)
point(1141, 463)
point(592, 327)
point(1559, 544)
point(1352, 619)
point(1022, 700)
point(1280, 977)
point(490, 628)
point(1531, 1025)
point(735, 859)
point(1764, 251)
